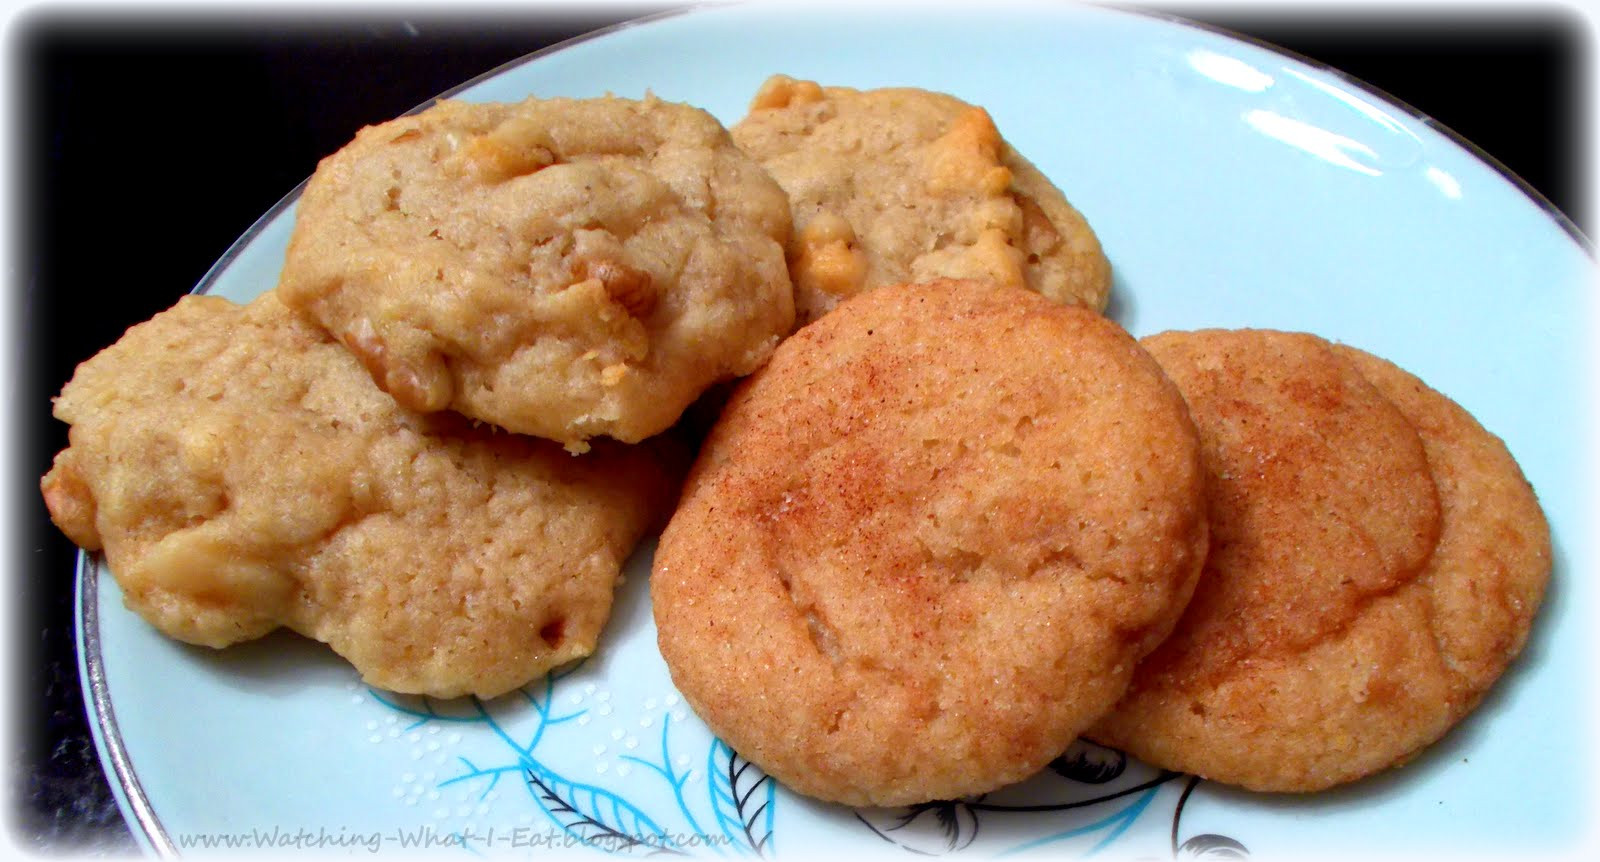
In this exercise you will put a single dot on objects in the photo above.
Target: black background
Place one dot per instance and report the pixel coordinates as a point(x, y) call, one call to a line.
point(146, 145)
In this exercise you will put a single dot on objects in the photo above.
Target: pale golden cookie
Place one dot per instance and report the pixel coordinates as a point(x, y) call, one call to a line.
point(565, 268)
point(1376, 561)
point(924, 546)
point(241, 472)
point(899, 185)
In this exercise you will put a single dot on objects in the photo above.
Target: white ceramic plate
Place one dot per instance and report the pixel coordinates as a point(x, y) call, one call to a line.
point(1231, 186)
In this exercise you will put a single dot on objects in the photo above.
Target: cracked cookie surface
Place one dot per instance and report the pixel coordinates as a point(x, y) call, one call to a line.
point(241, 472)
point(924, 546)
point(565, 268)
point(899, 185)
point(1376, 561)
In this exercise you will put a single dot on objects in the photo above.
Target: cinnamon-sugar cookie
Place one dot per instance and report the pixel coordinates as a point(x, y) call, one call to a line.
point(924, 546)
point(1376, 561)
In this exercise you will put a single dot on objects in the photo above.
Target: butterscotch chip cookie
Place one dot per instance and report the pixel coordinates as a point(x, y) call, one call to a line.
point(240, 472)
point(1376, 561)
point(924, 546)
point(899, 185)
point(565, 268)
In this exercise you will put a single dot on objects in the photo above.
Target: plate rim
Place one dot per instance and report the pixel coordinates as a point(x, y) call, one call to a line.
point(1553, 212)
point(115, 759)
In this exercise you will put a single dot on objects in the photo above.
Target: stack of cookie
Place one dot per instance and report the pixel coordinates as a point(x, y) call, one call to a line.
point(952, 520)
point(345, 455)
point(951, 525)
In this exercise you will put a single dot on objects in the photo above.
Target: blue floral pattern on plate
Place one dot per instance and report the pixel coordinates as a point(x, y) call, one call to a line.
point(739, 802)
point(1087, 799)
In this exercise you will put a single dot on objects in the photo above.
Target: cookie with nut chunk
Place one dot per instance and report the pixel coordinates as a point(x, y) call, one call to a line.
point(903, 185)
point(566, 268)
point(240, 472)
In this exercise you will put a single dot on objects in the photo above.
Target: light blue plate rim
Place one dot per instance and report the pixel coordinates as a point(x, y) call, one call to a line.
point(1538, 199)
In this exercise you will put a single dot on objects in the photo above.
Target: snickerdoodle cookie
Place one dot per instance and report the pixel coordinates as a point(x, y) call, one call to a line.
point(241, 472)
point(1376, 561)
point(900, 184)
point(562, 267)
point(924, 546)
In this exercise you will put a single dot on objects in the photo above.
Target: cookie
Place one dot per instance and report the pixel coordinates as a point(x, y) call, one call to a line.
point(1376, 561)
point(901, 185)
point(564, 268)
point(241, 472)
point(924, 546)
